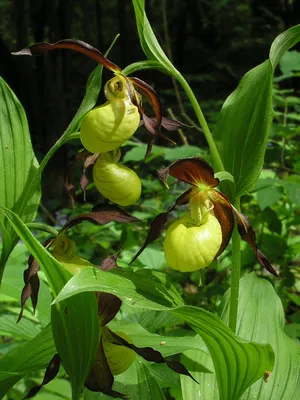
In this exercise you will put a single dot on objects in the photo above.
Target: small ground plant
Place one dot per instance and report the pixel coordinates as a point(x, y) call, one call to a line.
point(109, 318)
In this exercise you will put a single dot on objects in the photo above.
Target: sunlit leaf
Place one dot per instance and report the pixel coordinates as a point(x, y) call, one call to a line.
point(261, 318)
point(138, 288)
point(237, 363)
point(283, 43)
point(32, 356)
point(20, 187)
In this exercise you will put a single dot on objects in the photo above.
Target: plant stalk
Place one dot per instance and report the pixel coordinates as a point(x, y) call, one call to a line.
point(207, 133)
point(235, 273)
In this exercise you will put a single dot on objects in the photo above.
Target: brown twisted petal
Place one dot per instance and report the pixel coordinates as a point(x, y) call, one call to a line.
point(194, 171)
point(101, 215)
point(50, 374)
point(32, 282)
point(224, 214)
point(151, 95)
point(100, 378)
point(158, 224)
point(149, 354)
point(247, 233)
point(76, 45)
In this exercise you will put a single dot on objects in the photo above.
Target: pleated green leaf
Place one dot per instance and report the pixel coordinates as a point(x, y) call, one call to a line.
point(207, 387)
point(283, 43)
point(32, 356)
point(261, 319)
point(138, 288)
point(238, 364)
point(245, 119)
point(243, 127)
point(75, 327)
point(75, 322)
point(20, 190)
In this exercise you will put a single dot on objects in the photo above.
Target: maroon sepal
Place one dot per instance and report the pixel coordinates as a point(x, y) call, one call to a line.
point(100, 378)
point(194, 170)
point(110, 262)
point(247, 233)
point(76, 45)
point(69, 176)
point(152, 126)
point(89, 161)
point(158, 224)
point(156, 228)
point(151, 95)
point(108, 307)
point(50, 374)
point(170, 124)
point(101, 215)
point(149, 354)
point(32, 282)
point(108, 304)
point(224, 214)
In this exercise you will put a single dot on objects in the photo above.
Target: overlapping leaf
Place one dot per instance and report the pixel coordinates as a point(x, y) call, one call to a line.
point(261, 318)
point(18, 168)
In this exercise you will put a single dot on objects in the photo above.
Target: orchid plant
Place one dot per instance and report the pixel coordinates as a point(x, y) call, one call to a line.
point(87, 298)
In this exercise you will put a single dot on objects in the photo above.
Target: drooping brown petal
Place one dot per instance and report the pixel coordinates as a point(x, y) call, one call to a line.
point(32, 282)
point(149, 354)
point(151, 95)
point(101, 215)
point(156, 229)
point(224, 214)
point(100, 378)
point(108, 307)
point(194, 171)
point(89, 161)
point(69, 176)
point(152, 126)
point(170, 124)
point(110, 262)
point(158, 224)
point(50, 374)
point(76, 45)
point(247, 233)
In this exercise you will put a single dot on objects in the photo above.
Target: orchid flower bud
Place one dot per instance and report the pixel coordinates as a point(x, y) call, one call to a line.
point(193, 241)
point(119, 358)
point(108, 126)
point(118, 183)
point(64, 251)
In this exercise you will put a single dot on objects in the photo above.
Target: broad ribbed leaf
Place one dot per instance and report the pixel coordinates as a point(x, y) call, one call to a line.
point(24, 359)
point(261, 318)
point(237, 363)
point(76, 346)
point(243, 127)
point(283, 43)
point(207, 388)
point(57, 276)
point(138, 288)
point(18, 168)
point(76, 333)
point(245, 120)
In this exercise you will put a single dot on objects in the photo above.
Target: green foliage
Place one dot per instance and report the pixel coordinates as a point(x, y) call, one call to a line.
point(162, 309)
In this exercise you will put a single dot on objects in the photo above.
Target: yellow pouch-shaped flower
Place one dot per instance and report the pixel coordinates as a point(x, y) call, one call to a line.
point(108, 126)
point(64, 251)
point(118, 183)
point(119, 358)
point(189, 247)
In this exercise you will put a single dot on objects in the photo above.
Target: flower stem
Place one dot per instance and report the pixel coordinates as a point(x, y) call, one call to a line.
point(207, 133)
point(235, 273)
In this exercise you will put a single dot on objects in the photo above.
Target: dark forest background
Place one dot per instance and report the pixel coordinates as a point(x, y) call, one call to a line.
point(213, 43)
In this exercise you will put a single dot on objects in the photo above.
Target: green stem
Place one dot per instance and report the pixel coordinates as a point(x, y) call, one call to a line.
point(42, 227)
point(235, 274)
point(207, 133)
